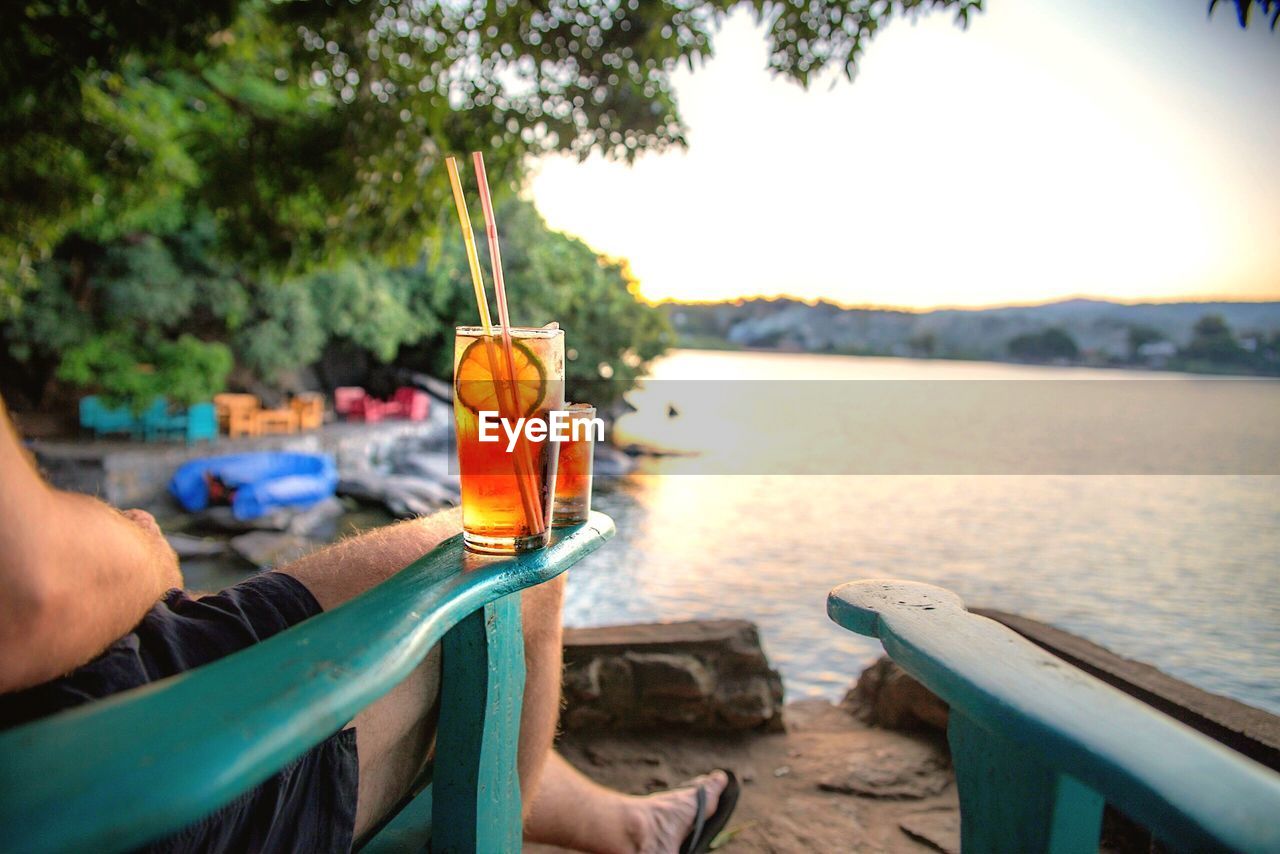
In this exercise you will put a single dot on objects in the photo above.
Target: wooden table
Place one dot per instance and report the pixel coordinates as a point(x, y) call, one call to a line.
point(276, 421)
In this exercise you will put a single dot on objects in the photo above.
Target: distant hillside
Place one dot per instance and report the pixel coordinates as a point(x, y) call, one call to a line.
point(1103, 331)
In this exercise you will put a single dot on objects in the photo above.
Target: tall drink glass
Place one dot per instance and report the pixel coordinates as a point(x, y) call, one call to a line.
point(507, 488)
point(573, 475)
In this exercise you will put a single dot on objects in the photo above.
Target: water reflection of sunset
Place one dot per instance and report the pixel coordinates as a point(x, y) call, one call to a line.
point(1141, 564)
point(837, 415)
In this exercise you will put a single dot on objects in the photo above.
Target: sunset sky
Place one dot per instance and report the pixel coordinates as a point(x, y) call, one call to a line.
point(1125, 150)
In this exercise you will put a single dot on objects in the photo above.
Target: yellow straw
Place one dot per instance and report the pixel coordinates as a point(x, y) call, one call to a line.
point(507, 398)
point(468, 238)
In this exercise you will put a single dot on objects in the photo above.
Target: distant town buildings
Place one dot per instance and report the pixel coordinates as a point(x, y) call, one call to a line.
point(1157, 354)
point(1156, 335)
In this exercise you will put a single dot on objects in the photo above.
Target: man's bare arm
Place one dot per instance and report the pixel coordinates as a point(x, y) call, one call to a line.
point(75, 573)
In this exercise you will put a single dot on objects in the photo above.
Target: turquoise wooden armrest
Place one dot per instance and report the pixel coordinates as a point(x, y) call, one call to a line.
point(117, 773)
point(1038, 746)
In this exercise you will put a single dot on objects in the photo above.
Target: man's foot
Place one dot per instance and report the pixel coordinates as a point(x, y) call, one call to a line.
point(659, 823)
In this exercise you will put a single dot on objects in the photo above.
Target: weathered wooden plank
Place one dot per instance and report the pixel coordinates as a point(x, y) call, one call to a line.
point(476, 790)
point(112, 775)
point(638, 636)
point(1192, 792)
point(1245, 729)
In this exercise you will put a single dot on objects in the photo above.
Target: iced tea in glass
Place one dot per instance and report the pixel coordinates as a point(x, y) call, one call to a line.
point(573, 475)
point(507, 484)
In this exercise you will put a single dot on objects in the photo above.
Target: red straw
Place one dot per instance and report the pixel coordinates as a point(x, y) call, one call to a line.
point(504, 319)
point(495, 255)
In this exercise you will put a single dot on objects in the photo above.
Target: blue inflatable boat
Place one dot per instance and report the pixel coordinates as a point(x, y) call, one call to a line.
point(256, 483)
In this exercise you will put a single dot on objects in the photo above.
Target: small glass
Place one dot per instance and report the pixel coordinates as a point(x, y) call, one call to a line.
point(506, 488)
point(573, 477)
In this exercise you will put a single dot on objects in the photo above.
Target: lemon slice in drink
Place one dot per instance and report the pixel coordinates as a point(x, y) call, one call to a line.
point(474, 385)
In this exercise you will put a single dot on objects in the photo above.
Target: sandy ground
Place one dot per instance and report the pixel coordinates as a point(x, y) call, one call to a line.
point(829, 783)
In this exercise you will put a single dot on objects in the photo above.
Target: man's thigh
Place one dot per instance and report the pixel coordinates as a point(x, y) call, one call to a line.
point(395, 734)
point(396, 738)
point(310, 804)
point(344, 570)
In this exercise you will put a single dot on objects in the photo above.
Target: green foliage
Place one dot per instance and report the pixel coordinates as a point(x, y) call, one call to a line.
point(185, 175)
point(1139, 336)
point(611, 335)
point(1245, 7)
point(283, 331)
point(1215, 349)
point(1212, 341)
point(110, 363)
point(192, 370)
point(84, 135)
point(924, 344)
point(1046, 346)
point(154, 315)
point(314, 132)
point(373, 307)
point(131, 374)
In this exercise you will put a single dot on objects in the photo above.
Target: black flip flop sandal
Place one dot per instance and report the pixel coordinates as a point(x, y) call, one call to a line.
point(708, 827)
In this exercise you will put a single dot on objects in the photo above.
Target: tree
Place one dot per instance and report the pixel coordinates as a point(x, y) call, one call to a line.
point(131, 374)
point(205, 167)
point(314, 132)
point(924, 344)
point(210, 169)
point(612, 335)
point(1245, 7)
point(1212, 341)
point(160, 315)
point(148, 303)
point(1142, 335)
point(1050, 345)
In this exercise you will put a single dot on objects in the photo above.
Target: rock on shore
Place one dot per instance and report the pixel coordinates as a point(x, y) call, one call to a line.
point(649, 706)
point(887, 696)
point(703, 676)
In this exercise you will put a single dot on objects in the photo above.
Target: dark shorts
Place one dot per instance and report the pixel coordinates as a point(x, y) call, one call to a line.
point(311, 804)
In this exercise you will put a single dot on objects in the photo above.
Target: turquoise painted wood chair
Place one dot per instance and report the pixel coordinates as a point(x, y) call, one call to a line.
point(118, 773)
point(105, 420)
point(201, 424)
point(1039, 746)
point(159, 423)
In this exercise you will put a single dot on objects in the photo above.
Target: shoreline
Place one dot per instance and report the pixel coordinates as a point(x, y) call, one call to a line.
point(1136, 368)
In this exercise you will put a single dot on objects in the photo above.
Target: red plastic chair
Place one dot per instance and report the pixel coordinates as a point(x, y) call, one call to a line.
point(368, 409)
point(411, 403)
point(346, 397)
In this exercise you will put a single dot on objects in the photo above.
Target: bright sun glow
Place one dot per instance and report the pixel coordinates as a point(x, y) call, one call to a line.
point(1038, 155)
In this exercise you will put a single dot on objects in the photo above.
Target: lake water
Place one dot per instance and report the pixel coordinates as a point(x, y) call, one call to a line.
point(1138, 553)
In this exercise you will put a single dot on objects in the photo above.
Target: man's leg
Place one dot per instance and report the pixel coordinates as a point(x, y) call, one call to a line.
point(348, 568)
point(561, 806)
point(540, 611)
point(571, 811)
point(394, 735)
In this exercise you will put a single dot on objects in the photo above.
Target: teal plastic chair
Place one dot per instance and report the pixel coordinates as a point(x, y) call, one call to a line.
point(104, 420)
point(159, 423)
point(1040, 746)
point(89, 406)
point(115, 774)
point(201, 423)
